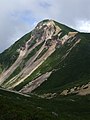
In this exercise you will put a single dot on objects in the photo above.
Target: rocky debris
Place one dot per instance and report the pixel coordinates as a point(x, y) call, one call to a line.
point(35, 83)
point(80, 90)
point(85, 89)
point(48, 95)
point(65, 92)
point(55, 114)
point(28, 70)
point(59, 44)
point(72, 34)
point(64, 39)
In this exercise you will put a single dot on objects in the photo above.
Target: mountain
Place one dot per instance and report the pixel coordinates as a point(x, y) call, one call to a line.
point(46, 75)
point(14, 106)
point(52, 58)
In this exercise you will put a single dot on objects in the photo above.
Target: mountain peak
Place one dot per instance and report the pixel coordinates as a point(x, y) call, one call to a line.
point(46, 21)
point(46, 29)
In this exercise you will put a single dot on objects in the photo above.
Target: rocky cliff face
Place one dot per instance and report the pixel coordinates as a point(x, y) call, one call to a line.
point(37, 57)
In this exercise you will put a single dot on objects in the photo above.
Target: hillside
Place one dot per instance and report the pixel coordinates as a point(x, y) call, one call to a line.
point(51, 51)
point(14, 106)
point(52, 58)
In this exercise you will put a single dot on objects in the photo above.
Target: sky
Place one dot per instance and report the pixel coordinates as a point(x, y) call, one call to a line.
point(18, 17)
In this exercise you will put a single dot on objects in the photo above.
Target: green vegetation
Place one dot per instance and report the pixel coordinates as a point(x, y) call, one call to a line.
point(65, 28)
point(18, 107)
point(62, 34)
point(0, 70)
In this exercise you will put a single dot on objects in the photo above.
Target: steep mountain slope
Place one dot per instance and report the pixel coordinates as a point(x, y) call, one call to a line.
point(74, 73)
point(51, 59)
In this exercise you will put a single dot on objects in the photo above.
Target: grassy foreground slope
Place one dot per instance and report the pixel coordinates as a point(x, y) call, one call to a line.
point(18, 107)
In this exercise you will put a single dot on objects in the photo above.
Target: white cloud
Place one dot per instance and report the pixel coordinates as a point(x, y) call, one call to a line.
point(83, 26)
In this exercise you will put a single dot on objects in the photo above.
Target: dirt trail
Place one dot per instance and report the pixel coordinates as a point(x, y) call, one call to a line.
point(15, 92)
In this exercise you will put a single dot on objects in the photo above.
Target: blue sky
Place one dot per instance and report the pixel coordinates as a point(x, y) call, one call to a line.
point(18, 17)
